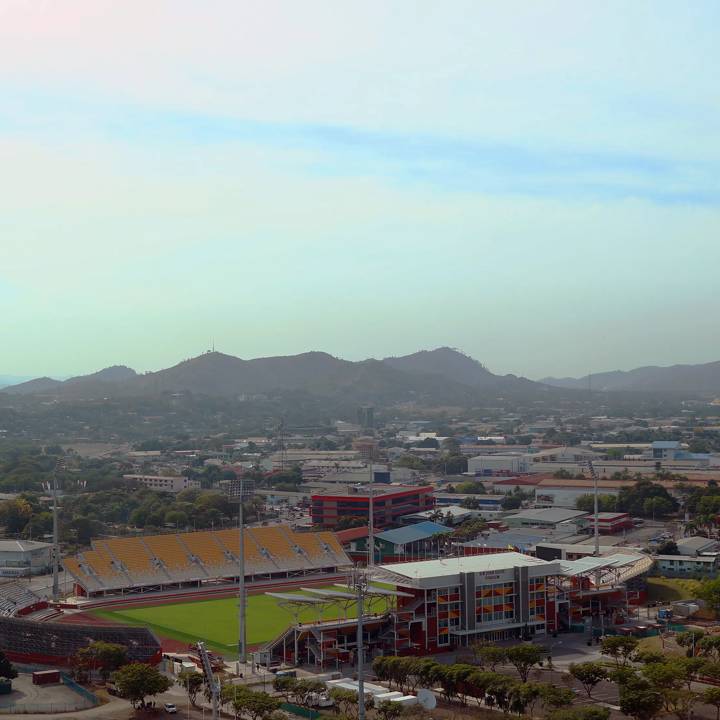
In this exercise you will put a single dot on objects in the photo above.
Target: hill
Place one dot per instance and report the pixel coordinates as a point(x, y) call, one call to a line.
point(455, 365)
point(701, 379)
point(442, 376)
point(34, 387)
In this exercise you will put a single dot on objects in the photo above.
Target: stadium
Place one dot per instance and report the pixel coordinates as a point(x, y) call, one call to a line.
point(169, 591)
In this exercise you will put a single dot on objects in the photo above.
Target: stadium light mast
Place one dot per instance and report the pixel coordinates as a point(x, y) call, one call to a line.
point(242, 634)
point(595, 507)
point(360, 581)
point(371, 517)
point(56, 540)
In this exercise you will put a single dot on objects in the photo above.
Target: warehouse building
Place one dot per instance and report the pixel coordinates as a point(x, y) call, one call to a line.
point(549, 518)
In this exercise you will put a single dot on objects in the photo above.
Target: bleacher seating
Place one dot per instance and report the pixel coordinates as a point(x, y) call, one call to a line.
point(102, 566)
point(15, 597)
point(254, 556)
point(117, 563)
point(81, 573)
point(311, 545)
point(131, 553)
point(205, 546)
point(175, 559)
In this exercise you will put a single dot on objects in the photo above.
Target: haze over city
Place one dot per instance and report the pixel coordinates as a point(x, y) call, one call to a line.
point(536, 184)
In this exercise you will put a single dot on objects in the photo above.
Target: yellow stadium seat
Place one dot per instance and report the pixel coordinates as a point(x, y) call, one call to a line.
point(168, 549)
point(131, 553)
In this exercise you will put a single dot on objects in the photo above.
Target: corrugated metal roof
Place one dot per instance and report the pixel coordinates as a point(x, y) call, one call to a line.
point(464, 564)
point(412, 533)
point(551, 515)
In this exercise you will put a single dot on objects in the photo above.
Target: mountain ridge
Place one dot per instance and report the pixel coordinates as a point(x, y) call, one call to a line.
point(436, 375)
point(699, 379)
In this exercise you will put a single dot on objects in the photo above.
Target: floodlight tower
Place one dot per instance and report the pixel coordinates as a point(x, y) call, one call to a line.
point(359, 581)
point(594, 475)
point(56, 541)
point(236, 490)
point(242, 634)
point(371, 517)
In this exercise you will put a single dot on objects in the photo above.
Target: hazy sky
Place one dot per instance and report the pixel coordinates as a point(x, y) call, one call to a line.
point(536, 183)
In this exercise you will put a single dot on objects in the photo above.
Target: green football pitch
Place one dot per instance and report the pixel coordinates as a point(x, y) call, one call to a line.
point(216, 622)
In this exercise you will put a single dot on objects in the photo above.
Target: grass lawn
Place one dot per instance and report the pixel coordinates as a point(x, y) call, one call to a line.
point(216, 622)
point(671, 589)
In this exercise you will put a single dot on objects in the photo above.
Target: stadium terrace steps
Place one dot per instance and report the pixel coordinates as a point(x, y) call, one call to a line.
point(103, 567)
point(14, 598)
point(138, 562)
point(175, 560)
point(255, 557)
point(75, 568)
point(275, 542)
point(132, 554)
point(204, 545)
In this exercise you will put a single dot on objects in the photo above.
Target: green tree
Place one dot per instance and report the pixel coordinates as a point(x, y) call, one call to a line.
point(7, 669)
point(589, 674)
point(524, 657)
point(667, 547)
point(524, 696)
point(192, 682)
point(710, 592)
point(709, 647)
point(680, 702)
point(346, 702)
point(711, 696)
point(606, 503)
point(249, 703)
point(103, 656)
point(656, 507)
point(668, 675)
point(640, 701)
point(137, 681)
point(620, 648)
point(285, 685)
point(15, 515)
point(304, 689)
point(489, 656)
point(389, 710)
point(556, 697)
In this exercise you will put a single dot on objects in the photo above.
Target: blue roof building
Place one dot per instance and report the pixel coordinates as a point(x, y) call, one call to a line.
point(423, 540)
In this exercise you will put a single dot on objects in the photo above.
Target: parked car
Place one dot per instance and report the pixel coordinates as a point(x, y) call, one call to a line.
point(170, 708)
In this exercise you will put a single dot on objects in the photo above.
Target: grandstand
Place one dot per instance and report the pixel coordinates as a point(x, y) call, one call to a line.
point(17, 599)
point(51, 643)
point(164, 562)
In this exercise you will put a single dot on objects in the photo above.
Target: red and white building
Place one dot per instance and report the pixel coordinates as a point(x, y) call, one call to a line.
point(390, 503)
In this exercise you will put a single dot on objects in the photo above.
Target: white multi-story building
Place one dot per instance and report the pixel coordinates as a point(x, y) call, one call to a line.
point(164, 483)
point(19, 558)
